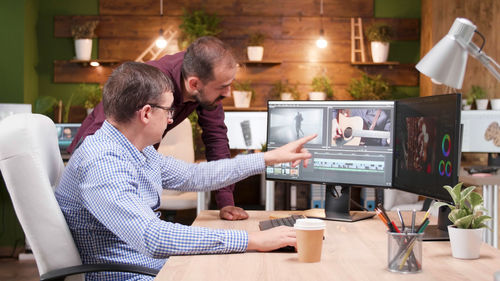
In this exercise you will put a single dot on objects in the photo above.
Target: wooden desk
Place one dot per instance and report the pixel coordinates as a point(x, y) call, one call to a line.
point(490, 197)
point(351, 251)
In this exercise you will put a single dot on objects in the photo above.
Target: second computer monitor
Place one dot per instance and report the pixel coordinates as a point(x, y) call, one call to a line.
point(354, 144)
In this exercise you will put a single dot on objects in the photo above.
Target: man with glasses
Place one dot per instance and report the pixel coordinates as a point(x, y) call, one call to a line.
point(202, 77)
point(110, 190)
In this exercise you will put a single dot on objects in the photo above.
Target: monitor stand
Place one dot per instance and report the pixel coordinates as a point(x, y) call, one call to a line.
point(439, 232)
point(337, 206)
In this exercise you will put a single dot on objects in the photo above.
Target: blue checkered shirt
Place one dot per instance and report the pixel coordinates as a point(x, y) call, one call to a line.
point(110, 192)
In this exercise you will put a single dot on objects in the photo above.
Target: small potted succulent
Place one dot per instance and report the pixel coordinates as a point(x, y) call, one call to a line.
point(379, 34)
point(255, 48)
point(242, 93)
point(321, 88)
point(284, 91)
point(479, 95)
point(83, 34)
point(467, 216)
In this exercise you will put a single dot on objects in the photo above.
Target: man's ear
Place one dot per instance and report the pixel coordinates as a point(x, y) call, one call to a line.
point(145, 114)
point(194, 83)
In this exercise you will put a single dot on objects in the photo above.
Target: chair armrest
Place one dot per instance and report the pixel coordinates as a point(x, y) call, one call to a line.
point(60, 274)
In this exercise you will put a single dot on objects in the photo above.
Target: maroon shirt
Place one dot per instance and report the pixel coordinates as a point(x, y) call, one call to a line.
point(212, 122)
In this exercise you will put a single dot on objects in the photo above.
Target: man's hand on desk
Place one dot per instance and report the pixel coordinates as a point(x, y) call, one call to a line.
point(233, 213)
point(272, 239)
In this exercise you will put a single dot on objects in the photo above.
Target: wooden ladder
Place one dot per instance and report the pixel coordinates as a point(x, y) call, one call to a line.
point(152, 51)
point(357, 42)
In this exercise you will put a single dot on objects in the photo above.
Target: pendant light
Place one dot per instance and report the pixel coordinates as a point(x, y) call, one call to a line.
point(160, 41)
point(321, 42)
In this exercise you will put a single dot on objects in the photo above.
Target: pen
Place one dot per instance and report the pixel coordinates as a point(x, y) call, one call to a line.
point(410, 248)
point(423, 226)
point(401, 220)
point(395, 227)
point(413, 215)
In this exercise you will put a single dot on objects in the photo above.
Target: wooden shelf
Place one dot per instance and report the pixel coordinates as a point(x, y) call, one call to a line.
point(253, 108)
point(100, 61)
point(78, 71)
point(375, 63)
point(258, 63)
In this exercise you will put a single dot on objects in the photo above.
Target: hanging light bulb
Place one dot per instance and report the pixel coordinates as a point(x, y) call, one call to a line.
point(321, 42)
point(160, 41)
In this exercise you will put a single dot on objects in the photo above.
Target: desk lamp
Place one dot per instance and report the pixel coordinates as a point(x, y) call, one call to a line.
point(445, 63)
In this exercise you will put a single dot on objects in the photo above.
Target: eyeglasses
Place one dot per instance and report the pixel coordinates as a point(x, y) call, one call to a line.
point(170, 110)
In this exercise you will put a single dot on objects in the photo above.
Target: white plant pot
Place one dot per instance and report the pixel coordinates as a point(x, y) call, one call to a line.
point(255, 53)
point(242, 98)
point(482, 104)
point(495, 104)
point(287, 96)
point(83, 49)
point(317, 96)
point(465, 243)
point(380, 51)
point(89, 110)
point(466, 107)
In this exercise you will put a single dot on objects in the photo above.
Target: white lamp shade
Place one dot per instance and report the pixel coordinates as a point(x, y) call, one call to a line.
point(445, 63)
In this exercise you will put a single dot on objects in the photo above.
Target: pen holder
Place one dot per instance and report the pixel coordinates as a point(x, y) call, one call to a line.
point(404, 252)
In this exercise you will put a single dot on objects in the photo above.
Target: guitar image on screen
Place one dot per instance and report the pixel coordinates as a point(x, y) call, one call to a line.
point(352, 131)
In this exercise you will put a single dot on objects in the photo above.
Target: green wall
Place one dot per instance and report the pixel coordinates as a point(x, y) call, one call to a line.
point(51, 48)
point(401, 51)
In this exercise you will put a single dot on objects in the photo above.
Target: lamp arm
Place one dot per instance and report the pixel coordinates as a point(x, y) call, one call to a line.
point(485, 60)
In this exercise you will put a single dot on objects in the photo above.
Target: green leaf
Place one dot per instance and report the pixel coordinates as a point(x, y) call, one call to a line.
point(456, 214)
point(480, 221)
point(438, 205)
point(456, 194)
point(464, 194)
point(476, 201)
point(464, 222)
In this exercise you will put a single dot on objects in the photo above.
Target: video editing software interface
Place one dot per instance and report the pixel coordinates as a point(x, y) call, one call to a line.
point(354, 143)
point(427, 145)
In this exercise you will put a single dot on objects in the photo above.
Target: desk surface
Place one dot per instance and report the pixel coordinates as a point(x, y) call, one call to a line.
point(351, 251)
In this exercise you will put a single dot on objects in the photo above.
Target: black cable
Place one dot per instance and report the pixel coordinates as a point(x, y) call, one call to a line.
point(482, 37)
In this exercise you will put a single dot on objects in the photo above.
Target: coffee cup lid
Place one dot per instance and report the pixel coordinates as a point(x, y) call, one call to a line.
point(309, 224)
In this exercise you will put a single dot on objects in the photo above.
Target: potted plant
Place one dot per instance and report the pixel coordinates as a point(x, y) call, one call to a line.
point(467, 102)
point(242, 93)
point(197, 24)
point(370, 88)
point(284, 91)
point(468, 221)
point(379, 34)
point(255, 49)
point(321, 88)
point(479, 95)
point(83, 34)
point(93, 94)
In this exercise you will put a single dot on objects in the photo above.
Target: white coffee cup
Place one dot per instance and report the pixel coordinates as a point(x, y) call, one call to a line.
point(309, 239)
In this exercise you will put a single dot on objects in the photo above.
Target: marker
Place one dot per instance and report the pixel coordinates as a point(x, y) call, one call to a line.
point(413, 215)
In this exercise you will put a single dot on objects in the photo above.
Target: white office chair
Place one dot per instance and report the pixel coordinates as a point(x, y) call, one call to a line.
point(31, 166)
point(178, 143)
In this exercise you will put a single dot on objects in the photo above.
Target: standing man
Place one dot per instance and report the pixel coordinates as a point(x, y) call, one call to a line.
point(202, 77)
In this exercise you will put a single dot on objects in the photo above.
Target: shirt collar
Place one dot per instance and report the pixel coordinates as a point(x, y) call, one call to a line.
point(117, 136)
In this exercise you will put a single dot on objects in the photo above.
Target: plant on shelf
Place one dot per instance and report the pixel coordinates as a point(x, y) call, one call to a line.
point(370, 88)
point(243, 93)
point(284, 91)
point(82, 34)
point(379, 34)
point(255, 48)
point(321, 84)
point(92, 94)
point(467, 216)
point(478, 94)
point(197, 24)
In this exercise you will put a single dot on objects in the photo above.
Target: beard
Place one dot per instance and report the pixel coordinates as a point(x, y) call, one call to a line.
point(206, 104)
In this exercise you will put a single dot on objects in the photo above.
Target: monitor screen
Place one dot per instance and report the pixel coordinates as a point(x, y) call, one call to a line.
point(427, 145)
point(65, 134)
point(245, 129)
point(354, 144)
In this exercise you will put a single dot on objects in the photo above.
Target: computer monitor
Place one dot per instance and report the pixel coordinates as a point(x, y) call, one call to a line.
point(65, 134)
point(427, 148)
point(354, 147)
point(481, 133)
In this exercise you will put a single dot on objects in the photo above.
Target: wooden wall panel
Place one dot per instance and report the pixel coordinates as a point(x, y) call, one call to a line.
point(333, 8)
point(128, 27)
point(66, 72)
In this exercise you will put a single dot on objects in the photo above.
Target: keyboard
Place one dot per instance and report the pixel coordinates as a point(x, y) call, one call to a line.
point(287, 221)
